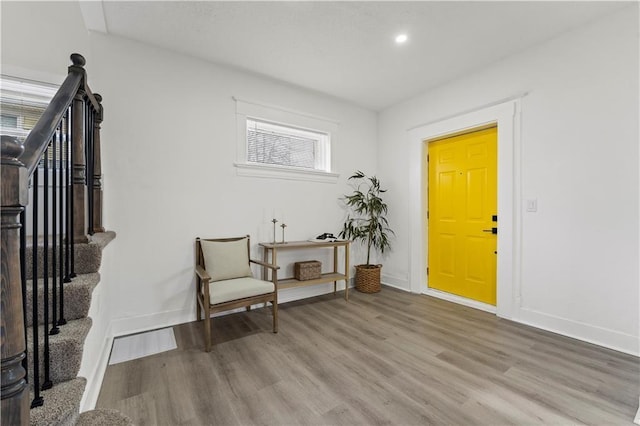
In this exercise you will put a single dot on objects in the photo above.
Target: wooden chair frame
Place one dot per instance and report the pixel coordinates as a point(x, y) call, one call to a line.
point(203, 306)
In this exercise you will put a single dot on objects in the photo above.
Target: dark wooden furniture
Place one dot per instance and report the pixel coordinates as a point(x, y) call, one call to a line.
point(205, 286)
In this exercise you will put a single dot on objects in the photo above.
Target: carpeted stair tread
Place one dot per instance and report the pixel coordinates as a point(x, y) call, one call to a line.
point(65, 350)
point(87, 259)
point(61, 404)
point(104, 417)
point(77, 297)
point(103, 238)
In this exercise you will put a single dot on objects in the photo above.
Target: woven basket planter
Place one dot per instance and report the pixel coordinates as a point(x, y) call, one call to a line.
point(368, 278)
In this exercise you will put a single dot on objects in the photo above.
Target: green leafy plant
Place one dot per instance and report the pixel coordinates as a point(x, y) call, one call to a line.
point(366, 221)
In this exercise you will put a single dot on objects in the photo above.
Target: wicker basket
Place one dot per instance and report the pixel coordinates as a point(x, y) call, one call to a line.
point(368, 278)
point(307, 270)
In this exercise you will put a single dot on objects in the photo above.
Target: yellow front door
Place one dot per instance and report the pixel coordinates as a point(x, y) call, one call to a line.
point(463, 215)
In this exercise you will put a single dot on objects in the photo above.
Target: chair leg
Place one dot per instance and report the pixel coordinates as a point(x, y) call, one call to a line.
point(198, 309)
point(207, 331)
point(248, 308)
point(274, 306)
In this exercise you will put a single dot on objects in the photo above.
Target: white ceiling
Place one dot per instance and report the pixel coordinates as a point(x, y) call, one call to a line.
point(346, 49)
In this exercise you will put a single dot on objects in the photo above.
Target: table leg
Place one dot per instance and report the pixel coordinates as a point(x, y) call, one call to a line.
point(335, 268)
point(346, 272)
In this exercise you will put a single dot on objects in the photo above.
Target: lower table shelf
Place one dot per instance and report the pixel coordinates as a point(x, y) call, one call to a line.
point(324, 278)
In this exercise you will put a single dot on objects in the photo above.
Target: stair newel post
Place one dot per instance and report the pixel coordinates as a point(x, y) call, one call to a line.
point(14, 393)
point(79, 165)
point(97, 168)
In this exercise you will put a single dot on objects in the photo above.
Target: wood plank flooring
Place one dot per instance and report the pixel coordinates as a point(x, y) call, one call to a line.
point(390, 358)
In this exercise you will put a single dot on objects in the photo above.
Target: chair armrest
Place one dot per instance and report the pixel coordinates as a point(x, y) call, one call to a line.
point(204, 275)
point(267, 265)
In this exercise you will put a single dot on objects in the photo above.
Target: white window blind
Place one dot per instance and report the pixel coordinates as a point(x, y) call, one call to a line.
point(22, 102)
point(280, 145)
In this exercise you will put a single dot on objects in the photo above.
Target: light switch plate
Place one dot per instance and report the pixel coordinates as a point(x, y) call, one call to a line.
point(532, 205)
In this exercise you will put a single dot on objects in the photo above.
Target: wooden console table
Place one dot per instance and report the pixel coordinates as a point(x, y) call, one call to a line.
point(334, 276)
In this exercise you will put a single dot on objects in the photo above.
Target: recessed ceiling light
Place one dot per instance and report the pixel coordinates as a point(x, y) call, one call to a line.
point(401, 38)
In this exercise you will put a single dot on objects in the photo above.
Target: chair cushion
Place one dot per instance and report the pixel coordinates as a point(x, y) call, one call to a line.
point(225, 260)
point(239, 288)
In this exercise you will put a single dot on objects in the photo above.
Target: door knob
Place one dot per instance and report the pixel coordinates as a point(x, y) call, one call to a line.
point(492, 230)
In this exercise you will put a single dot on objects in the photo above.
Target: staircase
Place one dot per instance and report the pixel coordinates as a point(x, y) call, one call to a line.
point(62, 401)
point(51, 255)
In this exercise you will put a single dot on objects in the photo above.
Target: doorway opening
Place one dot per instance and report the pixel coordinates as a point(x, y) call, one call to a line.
point(506, 117)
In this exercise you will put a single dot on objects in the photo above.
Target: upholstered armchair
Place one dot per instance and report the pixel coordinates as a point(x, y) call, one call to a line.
point(224, 281)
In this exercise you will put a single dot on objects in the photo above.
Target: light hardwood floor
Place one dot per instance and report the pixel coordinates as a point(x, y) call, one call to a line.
point(389, 358)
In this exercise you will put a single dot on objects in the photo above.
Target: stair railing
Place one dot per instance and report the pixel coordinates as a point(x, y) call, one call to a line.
point(62, 152)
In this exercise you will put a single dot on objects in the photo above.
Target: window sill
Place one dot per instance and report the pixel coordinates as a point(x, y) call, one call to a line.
point(274, 172)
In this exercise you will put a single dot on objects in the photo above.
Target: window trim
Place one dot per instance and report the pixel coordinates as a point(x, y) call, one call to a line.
point(280, 116)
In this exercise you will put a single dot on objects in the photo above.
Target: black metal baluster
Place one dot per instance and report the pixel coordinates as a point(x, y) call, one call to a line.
point(45, 271)
point(67, 221)
point(37, 399)
point(23, 279)
point(68, 213)
point(54, 230)
point(72, 270)
point(61, 195)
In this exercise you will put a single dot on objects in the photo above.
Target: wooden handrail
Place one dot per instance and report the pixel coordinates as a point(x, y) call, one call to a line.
point(93, 98)
point(36, 142)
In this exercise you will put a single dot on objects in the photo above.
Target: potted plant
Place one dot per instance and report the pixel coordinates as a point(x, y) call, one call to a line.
point(366, 222)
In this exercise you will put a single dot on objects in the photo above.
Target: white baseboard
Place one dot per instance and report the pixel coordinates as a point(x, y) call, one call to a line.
point(589, 333)
point(600, 336)
point(94, 382)
point(142, 323)
point(395, 282)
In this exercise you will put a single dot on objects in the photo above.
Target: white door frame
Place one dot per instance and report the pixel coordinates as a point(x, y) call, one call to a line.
point(506, 115)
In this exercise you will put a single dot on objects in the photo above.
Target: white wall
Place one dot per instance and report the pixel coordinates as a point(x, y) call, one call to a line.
point(38, 38)
point(579, 141)
point(169, 148)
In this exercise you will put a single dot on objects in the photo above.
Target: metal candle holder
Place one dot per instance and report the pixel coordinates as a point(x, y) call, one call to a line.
point(283, 226)
point(274, 230)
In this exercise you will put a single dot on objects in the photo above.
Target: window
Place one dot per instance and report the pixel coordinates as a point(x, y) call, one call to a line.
point(279, 145)
point(273, 142)
point(9, 121)
point(22, 103)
